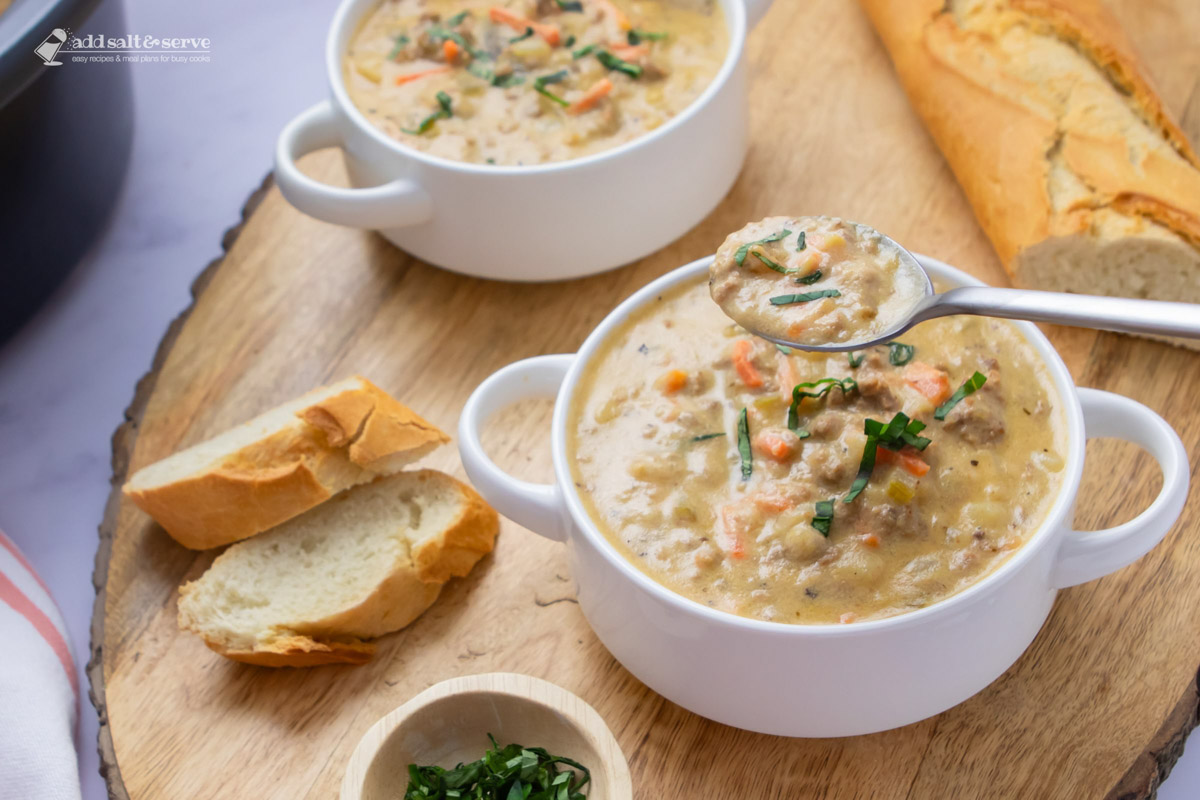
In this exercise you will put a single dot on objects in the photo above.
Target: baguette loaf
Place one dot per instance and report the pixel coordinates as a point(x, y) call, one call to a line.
point(365, 563)
point(281, 464)
point(1076, 172)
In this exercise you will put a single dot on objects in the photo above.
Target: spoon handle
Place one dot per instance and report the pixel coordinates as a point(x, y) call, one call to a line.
point(1084, 311)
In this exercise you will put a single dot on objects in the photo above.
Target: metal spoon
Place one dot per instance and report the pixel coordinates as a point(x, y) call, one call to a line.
point(1078, 310)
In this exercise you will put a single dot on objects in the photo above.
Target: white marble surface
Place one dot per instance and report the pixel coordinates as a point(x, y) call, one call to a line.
point(203, 141)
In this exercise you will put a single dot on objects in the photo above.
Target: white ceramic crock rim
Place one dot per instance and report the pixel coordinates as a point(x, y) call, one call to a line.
point(349, 12)
point(1055, 517)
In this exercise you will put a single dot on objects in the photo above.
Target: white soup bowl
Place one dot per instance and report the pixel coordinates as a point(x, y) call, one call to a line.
point(822, 680)
point(540, 222)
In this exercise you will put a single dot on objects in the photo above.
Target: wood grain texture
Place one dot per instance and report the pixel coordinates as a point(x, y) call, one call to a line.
point(1099, 705)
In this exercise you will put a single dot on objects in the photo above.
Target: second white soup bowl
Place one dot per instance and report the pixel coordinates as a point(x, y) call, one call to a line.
point(822, 680)
point(539, 222)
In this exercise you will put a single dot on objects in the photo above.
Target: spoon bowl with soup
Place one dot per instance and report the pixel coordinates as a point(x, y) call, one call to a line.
point(826, 284)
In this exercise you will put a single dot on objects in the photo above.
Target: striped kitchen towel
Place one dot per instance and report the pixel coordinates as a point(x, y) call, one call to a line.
point(39, 690)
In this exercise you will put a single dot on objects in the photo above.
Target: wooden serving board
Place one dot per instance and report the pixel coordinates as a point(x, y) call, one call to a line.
point(1099, 705)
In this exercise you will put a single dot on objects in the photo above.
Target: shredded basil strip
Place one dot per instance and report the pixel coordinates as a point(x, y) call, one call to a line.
point(810, 279)
point(823, 517)
point(569, 41)
point(783, 348)
point(788, 299)
point(706, 436)
point(620, 65)
point(583, 51)
point(801, 391)
point(743, 432)
point(570, 5)
point(457, 19)
point(740, 256)
point(865, 467)
point(801, 242)
point(900, 354)
point(442, 34)
point(400, 42)
point(528, 32)
point(635, 36)
point(507, 79)
point(782, 270)
point(443, 112)
point(970, 386)
point(854, 361)
point(555, 77)
point(893, 435)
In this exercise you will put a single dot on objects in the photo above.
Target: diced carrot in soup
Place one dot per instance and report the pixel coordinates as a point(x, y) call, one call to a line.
point(743, 351)
point(672, 381)
point(775, 444)
point(928, 380)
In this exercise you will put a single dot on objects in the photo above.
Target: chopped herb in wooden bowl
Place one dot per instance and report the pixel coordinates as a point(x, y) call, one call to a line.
point(512, 772)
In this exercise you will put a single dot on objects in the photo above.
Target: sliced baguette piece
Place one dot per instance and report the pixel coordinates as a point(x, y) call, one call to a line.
point(1076, 171)
point(281, 464)
point(363, 564)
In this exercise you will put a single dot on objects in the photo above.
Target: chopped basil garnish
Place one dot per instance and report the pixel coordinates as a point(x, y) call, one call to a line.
point(788, 299)
point(399, 44)
point(706, 436)
point(583, 51)
point(801, 243)
point(900, 354)
point(440, 34)
point(740, 256)
point(743, 432)
point(970, 386)
point(444, 112)
point(894, 435)
point(507, 79)
point(457, 19)
point(823, 517)
point(618, 64)
point(783, 348)
point(782, 270)
point(801, 391)
point(570, 5)
point(635, 36)
point(555, 77)
point(513, 772)
point(528, 32)
point(865, 467)
point(809, 279)
point(855, 359)
point(569, 41)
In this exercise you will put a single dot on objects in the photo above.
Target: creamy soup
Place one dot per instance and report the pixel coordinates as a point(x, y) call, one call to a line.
point(810, 487)
point(531, 81)
point(814, 280)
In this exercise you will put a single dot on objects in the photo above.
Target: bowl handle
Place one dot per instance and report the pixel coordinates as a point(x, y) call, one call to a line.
point(536, 506)
point(1087, 555)
point(390, 205)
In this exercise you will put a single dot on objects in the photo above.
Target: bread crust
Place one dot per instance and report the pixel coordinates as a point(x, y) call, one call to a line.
point(337, 441)
point(300, 651)
point(412, 585)
point(1001, 143)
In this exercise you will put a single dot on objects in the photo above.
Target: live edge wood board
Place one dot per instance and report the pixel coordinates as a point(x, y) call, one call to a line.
point(1099, 705)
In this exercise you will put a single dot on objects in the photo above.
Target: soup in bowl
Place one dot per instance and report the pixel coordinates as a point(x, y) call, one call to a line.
point(532, 81)
point(722, 555)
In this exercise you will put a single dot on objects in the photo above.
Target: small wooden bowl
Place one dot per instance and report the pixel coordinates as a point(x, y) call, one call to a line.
point(449, 722)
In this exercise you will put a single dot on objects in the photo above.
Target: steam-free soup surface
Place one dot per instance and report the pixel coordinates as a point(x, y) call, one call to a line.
point(531, 81)
point(815, 280)
point(657, 455)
